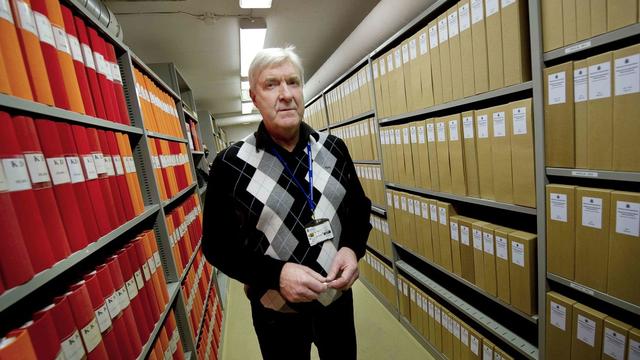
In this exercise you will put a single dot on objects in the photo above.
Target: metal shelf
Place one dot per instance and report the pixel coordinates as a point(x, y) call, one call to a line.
point(467, 199)
point(165, 137)
point(323, 129)
point(197, 152)
point(595, 174)
point(532, 319)
point(193, 256)
point(313, 99)
point(353, 119)
point(143, 67)
point(202, 190)
point(594, 42)
point(173, 292)
point(367, 162)
point(435, 353)
point(378, 254)
point(189, 113)
point(344, 75)
point(514, 341)
point(18, 293)
point(452, 105)
point(379, 210)
point(182, 192)
point(204, 310)
point(38, 109)
point(595, 293)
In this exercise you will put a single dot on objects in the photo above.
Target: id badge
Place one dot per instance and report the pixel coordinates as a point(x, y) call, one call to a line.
point(318, 231)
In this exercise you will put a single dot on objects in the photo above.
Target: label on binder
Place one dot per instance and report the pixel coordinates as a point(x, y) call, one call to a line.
point(600, 81)
point(634, 350)
point(483, 126)
point(454, 231)
point(433, 37)
point(442, 135)
point(431, 135)
point(91, 335)
point(453, 130)
point(405, 53)
point(98, 161)
point(25, 17)
point(104, 320)
point(123, 297)
point(4, 185)
point(477, 11)
point(59, 171)
point(557, 88)
point(423, 44)
point(108, 165)
point(499, 126)
point(16, 173)
point(580, 81)
point(627, 77)
point(586, 330)
point(464, 235)
point(502, 248)
point(115, 71)
point(145, 270)
point(389, 63)
point(132, 289)
point(592, 212)
point(413, 49)
point(72, 347)
point(442, 215)
point(519, 121)
point(558, 316)
point(463, 15)
point(558, 205)
point(475, 345)
point(398, 137)
point(425, 210)
point(5, 11)
point(488, 243)
point(62, 42)
point(434, 212)
point(467, 127)
point(517, 253)
point(156, 257)
point(117, 161)
point(628, 218)
point(477, 239)
point(443, 34)
point(464, 336)
point(113, 305)
point(37, 166)
point(375, 71)
point(88, 57)
point(492, 7)
point(139, 280)
point(487, 352)
point(152, 265)
point(76, 50)
point(45, 31)
point(436, 314)
point(90, 167)
point(506, 3)
point(614, 343)
point(453, 24)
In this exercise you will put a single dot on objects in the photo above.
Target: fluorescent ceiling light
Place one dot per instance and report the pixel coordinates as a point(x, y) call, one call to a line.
point(252, 35)
point(255, 4)
point(247, 107)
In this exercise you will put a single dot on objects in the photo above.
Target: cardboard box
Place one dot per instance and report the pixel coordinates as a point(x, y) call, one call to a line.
point(424, 62)
point(427, 242)
point(456, 155)
point(456, 330)
point(598, 17)
point(520, 116)
point(435, 230)
point(420, 228)
point(445, 58)
point(447, 336)
point(587, 333)
point(489, 259)
point(399, 88)
point(407, 74)
point(600, 108)
point(415, 153)
point(423, 156)
point(433, 154)
point(436, 68)
point(466, 48)
point(412, 239)
point(442, 144)
point(409, 178)
point(414, 89)
point(515, 42)
point(438, 328)
point(444, 233)
point(552, 37)
point(470, 155)
point(399, 155)
point(454, 52)
point(569, 26)
point(593, 208)
point(414, 313)
point(559, 326)
point(478, 253)
point(466, 248)
point(558, 116)
point(479, 37)
point(377, 88)
point(561, 230)
point(484, 127)
point(501, 154)
point(493, 25)
point(624, 247)
point(581, 111)
point(621, 13)
point(614, 341)
point(634, 344)
point(454, 226)
point(502, 263)
point(384, 81)
point(475, 344)
point(465, 350)
point(522, 271)
point(626, 107)
point(431, 320)
point(487, 349)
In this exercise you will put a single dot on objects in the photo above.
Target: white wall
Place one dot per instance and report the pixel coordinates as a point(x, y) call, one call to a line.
point(239, 132)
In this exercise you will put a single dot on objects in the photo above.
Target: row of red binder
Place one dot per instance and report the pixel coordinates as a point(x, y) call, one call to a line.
point(184, 225)
point(194, 139)
point(159, 112)
point(209, 341)
point(195, 288)
point(171, 167)
point(62, 187)
point(168, 344)
point(109, 314)
point(49, 55)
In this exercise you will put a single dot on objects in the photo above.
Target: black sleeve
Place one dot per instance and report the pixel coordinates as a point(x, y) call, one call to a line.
point(355, 232)
point(224, 234)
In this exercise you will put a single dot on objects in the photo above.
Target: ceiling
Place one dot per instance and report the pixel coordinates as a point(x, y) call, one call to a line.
point(202, 38)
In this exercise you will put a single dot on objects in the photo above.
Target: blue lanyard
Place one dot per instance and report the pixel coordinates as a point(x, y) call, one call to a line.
point(309, 195)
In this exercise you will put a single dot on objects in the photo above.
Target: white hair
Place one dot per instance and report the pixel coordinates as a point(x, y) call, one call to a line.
point(274, 56)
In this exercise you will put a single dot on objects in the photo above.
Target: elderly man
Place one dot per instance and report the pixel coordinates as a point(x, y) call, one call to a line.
point(285, 214)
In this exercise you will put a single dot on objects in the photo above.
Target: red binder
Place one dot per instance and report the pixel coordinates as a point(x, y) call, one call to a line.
point(85, 320)
point(98, 158)
point(90, 68)
point(15, 265)
point(68, 334)
point(104, 76)
point(43, 331)
point(102, 315)
point(17, 345)
point(125, 194)
point(78, 62)
point(18, 83)
point(111, 177)
point(117, 84)
point(148, 289)
point(139, 304)
point(23, 197)
point(151, 247)
point(147, 263)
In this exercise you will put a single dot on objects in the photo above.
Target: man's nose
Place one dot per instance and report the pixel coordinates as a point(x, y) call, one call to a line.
point(285, 92)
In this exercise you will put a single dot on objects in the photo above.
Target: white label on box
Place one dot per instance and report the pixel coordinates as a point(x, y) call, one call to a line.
point(16, 173)
point(592, 212)
point(414, 135)
point(405, 53)
point(425, 210)
point(467, 127)
point(25, 17)
point(492, 7)
point(614, 344)
point(558, 316)
point(477, 239)
point(385, 227)
point(557, 88)
point(76, 50)
point(477, 11)
point(413, 49)
point(443, 34)
point(390, 63)
point(45, 32)
point(634, 350)
point(558, 207)
point(416, 207)
point(586, 330)
point(398, 137)
point(517, 253)
point(59, 171)
point(421, 138)
point(98, 161)
point(463, 14)
point(383, 68)
point(104, 320)
point(433, 36)
point(627, 78)
point(405, 136)
point(410, 204)
point(487, 352)
point(431, 309)
point(423, 44)
point(405, 289)
point(123, 297)
point(431, 136)
point(464, 235)
point(454, 231)
point(88, 56)
point(464, 336)
point(108, 165)
point(442, 135)
point(72, 347)
point(139, 279)
point(580, 82)
point(442, 215)
point(488, 242)
point(4, 186)
point(375, 71)
point(600, 81)
point(456, 329)
point(453, 24)
point(475, 345)
point(115, 71)
point(389, 201)
point(506, 3)
point(62, 42)
point(434, 212)
point(117, 161)
point(396, 201)
point(519, 121)
point(403, 203)
point(113, 305)
point(483, 126)
point(499, 126)
point(91, 335)
point(627, 218)
point(502, 250)
point(436, 313)
point(132, 288)
point(37, 166)
point(453, 130)
point(5, 11)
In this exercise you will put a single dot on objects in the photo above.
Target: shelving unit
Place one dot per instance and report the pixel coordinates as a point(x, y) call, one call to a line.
point(353, 119)
point(173, 289)
point(594, 174)
point(165, 137)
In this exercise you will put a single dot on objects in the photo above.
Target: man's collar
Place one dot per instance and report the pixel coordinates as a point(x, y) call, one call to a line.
point(264, 140)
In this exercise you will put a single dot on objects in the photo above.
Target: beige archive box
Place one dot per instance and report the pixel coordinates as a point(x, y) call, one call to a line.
point(600, 107)
point(399, 89)
point(522, 271)
point(416, 319)
point(501, 153)
point(487, 349)
point(489, 259)
point(621, 13)
point(414, 88)
point(499, 354)
point(483, 146)
point(456, 330)
point(425, 243)
point(424, 63)
point(436, 68)
point(399, 154)
point(502, 263)
point(431, 328)
point(412, 238)
point(478, 253)
point(415, 153)
point(466, 48)
point(493, 24)
point(581, 111)
point(444, 211)
point(409, 178)
point(447, 336)
point(615, 339)
point(559, 326)
point(456, 155)
point(454, 226)
point(624, 247)
point(401, 217)
point(626, 109)
point(384, 86)
point(479, 37)
point(475, 344)
point(552, 36)
point(515, 40)
point(633, 351)
point(377, 86)
point(437, 326)
point(418, 221)
point(583, 21)
point(435, 230)
point(522, 153)
point(586, 339)
point(558, 116)
point(470, 154)
point(465, 351)
point(560, 205)
point(423, 156)
point(454, 52)
point(466, 248)
point(569, 22)
point(406, 75)
point(593, 208)
point(433, 154)
point(445, 58)
point(598, 16)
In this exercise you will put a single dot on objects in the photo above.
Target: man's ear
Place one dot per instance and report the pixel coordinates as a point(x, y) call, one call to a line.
point(252, 95)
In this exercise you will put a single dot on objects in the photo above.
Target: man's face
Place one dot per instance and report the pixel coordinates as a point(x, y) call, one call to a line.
point(278, 97)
